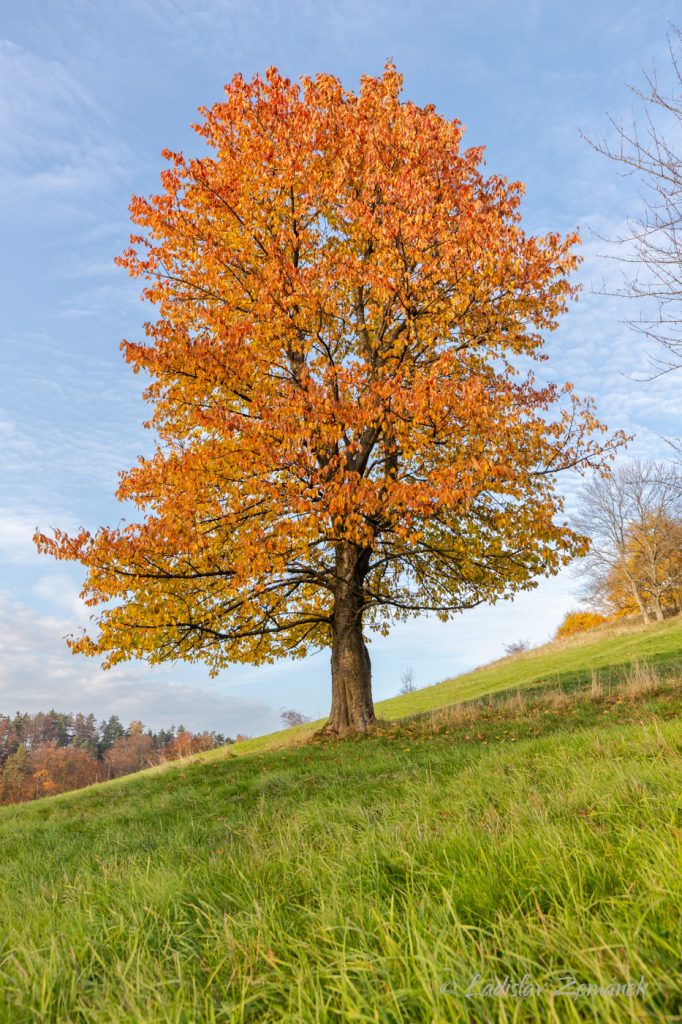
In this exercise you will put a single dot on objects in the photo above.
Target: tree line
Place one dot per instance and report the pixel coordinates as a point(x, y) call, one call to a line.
point(53, 752)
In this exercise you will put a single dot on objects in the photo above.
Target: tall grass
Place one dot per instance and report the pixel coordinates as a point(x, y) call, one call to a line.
point(368, 880)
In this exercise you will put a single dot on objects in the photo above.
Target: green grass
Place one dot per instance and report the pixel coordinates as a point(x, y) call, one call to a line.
point(535, 833)
point(607, 652)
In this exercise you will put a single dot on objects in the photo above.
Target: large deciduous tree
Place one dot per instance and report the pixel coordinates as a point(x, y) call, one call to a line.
point(349, 430)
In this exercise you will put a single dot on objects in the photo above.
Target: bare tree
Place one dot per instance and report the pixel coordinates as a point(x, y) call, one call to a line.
point(634, 520)
point(291, 717)
point(650, 149)
point(407, 683)
point(517, 647)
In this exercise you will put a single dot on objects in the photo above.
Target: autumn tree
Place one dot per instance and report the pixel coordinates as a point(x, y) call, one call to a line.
point(634, 520)
point(15, 781)
point(349, 431)
point(128, 754)
point(653, 558)
point(59, 769)
point(186, 743)
point(51, 727)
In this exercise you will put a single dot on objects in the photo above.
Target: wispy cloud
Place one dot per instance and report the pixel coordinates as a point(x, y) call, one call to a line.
point(37, 672)
point(59, 592)
point(54, 138)
point(16, 531)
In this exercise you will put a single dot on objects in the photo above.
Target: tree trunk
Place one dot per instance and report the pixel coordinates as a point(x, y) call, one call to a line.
point(352, 708)
point(640, 603)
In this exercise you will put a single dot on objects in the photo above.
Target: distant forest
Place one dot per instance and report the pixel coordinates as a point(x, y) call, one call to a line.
point(52, 752)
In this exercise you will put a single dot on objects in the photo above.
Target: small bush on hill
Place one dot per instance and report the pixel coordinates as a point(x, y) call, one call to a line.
point(517, 647)
point(580, 622)
point(290, 717)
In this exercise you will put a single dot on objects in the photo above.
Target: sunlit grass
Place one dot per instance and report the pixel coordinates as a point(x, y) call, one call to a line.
point(537, 832)
point(606, 652)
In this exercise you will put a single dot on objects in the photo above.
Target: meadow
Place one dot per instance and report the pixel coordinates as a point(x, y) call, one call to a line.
point(523, 822)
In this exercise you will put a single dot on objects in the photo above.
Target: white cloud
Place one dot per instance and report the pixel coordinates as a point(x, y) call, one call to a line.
point(54, 137)
point(60, 592)
point(16, 533)
point(38, 672)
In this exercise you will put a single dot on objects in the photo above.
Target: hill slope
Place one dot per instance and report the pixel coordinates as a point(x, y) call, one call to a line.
point(384, 879)
point(607, 652)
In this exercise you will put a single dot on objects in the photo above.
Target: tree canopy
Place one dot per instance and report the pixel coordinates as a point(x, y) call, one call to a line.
point(349, 430)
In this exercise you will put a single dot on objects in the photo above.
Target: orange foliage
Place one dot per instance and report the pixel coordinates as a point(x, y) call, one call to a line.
point(580, 622)
point(45, 770)
point(345, 304)
point(651, 564)
point(129, 753)
point(186, 743)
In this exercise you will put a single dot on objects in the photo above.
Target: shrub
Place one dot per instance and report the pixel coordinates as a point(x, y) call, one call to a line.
point(580, 622)
point(291, 717)
point(517, 647)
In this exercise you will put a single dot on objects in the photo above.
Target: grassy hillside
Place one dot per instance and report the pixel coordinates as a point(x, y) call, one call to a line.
point(381, 879)
point(607, 652)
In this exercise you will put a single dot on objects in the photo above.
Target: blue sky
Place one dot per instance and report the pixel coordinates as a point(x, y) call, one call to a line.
point(90, 94)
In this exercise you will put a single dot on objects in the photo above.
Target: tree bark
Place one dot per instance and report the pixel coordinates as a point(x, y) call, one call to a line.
point(352, 708)
point(640, 603)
